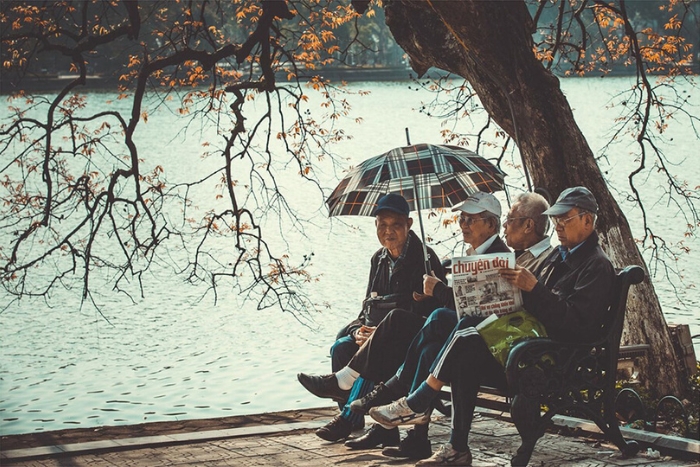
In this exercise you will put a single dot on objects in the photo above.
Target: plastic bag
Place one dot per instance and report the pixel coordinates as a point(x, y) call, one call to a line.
point(502, 333)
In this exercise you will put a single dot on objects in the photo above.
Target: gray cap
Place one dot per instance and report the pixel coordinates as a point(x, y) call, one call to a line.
point(576, 197)
point(479, 202)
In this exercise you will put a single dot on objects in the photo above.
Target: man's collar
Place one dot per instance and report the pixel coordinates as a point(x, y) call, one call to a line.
point(481, 249)
point(590, 242)
point(540, 247)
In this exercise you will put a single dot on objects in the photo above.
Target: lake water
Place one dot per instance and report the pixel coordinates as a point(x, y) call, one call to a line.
point(176, 354)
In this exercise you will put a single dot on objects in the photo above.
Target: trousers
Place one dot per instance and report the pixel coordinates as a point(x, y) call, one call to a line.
point(382, 354)
point(465, 363)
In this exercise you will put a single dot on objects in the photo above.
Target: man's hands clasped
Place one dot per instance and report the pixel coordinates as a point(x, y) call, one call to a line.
point(362, 334)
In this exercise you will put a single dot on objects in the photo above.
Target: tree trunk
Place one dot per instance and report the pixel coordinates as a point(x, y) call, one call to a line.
point(489, 43)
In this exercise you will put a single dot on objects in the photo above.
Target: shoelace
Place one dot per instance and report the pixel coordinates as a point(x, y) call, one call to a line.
point(372, 395)
point(444, 451)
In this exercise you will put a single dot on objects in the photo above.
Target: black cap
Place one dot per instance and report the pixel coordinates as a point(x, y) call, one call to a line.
point(576, 197)
point(392, 202)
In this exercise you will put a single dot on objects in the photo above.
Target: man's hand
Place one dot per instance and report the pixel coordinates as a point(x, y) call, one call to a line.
point(362, 334)
point(519, 277)
point(429, 282)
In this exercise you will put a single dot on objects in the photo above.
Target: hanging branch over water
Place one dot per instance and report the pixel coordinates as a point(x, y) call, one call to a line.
point(99, 203)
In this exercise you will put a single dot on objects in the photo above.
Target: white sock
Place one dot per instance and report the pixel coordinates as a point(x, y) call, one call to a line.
point(346, 377)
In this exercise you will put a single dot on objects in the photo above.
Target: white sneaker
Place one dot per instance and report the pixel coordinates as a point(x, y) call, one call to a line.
point(398, 413)
point(446, 455)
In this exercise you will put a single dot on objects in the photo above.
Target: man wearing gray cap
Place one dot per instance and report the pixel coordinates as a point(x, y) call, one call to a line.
point(569, 293)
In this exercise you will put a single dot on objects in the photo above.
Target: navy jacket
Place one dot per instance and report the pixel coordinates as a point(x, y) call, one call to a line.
point(572, 296)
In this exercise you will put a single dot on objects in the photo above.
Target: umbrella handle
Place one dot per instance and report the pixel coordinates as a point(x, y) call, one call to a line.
point(426, 260)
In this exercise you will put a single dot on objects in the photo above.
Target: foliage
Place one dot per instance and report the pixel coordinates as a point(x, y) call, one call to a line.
point(82, 199)
point(657, 43)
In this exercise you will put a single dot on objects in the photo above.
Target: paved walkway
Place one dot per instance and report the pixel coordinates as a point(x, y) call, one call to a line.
point(294, 444)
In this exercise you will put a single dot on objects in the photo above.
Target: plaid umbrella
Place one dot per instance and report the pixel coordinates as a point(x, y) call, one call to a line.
point(441, 175)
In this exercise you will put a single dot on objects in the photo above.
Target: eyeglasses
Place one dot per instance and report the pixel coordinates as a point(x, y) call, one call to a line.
point(557, 221)
point(511, 219)
point(468, 221)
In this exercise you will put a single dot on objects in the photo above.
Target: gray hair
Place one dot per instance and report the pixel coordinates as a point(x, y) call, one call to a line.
point(532, 205)
point(593, 215)
point(489, 216)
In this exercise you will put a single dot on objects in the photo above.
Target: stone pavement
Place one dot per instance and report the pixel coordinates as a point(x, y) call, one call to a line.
point(493, 440)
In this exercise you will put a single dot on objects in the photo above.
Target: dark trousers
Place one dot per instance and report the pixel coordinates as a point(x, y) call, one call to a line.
point(466, 363)
point(425, 347)
point(382, 354)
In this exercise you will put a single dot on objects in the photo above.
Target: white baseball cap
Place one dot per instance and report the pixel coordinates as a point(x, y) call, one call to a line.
point(479, 202)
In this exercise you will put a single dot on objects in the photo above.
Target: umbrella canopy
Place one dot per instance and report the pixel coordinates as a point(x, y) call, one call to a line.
point(427, 175)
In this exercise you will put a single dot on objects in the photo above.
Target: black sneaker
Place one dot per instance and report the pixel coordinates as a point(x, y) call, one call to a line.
point(337, 429)
point(411, 447)
point(324, 386)
point(380, 395)
point(376, 436)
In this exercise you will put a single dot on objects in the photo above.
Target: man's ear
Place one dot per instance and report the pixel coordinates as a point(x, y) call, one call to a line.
point(410, 222)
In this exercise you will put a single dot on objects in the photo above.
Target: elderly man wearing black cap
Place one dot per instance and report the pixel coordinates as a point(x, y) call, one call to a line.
point(569, 293)
point(396, 272)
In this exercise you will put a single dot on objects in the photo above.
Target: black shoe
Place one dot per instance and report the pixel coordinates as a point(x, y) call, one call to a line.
point(337, 429)
point(358, 425)
point(375, 436)
point(380, 395)
point(324, 386)
point(411, 447)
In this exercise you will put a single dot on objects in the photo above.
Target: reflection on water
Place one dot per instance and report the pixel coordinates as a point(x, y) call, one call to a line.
point(175, 355)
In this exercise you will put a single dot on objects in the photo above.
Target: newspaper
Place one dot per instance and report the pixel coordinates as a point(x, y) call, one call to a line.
point(479, 290)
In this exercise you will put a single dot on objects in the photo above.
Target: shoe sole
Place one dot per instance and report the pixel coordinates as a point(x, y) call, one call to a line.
point(324, 396)
point(419, 419)
point(415, 457)
point(358, 408)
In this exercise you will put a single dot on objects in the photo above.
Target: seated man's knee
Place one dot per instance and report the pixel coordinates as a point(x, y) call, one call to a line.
point(396, 314)
point(442, 318)
point(469, 322)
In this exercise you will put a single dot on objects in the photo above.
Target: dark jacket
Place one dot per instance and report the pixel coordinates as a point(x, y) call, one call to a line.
point(444, 294)
point(572, 296)
point(405, 278)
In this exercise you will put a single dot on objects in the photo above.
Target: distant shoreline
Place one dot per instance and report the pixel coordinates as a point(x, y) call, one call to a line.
point(55, 82)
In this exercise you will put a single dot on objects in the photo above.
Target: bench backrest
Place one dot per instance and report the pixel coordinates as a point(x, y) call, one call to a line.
point(623, 280)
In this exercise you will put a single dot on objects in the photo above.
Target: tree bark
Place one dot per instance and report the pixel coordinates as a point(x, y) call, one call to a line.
point(489, 43)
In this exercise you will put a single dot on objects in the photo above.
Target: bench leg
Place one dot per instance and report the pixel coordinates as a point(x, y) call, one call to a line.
point(609, 425)
point(525, 413)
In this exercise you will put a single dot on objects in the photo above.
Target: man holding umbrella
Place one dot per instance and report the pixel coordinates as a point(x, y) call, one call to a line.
point(480, 223)
point(397, 272)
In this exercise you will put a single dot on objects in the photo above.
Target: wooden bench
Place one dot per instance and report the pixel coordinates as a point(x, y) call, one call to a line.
point(566, 377)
